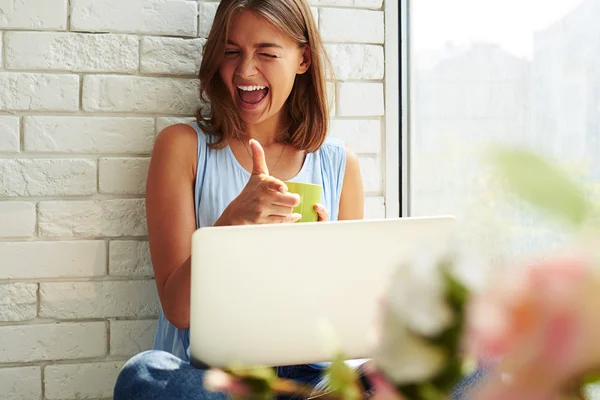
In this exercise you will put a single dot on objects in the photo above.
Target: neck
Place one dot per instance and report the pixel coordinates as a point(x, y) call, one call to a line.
point(267, 132)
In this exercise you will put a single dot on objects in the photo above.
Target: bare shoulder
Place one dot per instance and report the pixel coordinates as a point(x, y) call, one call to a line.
point(176, 144)
point(352, 198)
point(351, 159)
point(176, 136)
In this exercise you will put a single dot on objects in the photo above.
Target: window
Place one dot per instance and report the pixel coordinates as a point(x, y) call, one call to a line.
point(483, 73)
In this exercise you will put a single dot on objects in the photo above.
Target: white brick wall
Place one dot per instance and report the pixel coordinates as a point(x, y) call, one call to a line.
point(34, 14)
point(9, 134)
point(125, 135)
point(128, 338)
point(123, 217)
point(65, 341)
point(71, 300)
point(38, 92)
point(17, 218)
point(75, 52)
point(172, 56)
point(123, 175)
point(152, 17)
point(21, 383)
point(56, 259)
point(18, 301)
point(136, 94)
point(81, 381)
point(130, 258)
point(86, 86)
point(47, 177)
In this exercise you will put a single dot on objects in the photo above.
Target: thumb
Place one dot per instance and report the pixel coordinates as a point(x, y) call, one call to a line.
point(259, 163)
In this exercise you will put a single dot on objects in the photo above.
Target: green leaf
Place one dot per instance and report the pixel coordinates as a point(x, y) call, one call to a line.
point(540, 183)
point(592, 377)
point(343, 380)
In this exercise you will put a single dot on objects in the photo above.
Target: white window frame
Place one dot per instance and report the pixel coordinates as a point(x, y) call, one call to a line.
point(395, 126)
point(405, 125)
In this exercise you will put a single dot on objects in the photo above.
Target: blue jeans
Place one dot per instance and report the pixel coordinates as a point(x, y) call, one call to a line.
point(155, 375)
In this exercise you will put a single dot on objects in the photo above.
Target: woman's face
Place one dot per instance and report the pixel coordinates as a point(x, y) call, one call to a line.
point(259, 67)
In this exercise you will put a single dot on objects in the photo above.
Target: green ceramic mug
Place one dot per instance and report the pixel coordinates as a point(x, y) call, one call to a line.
point(310, 195)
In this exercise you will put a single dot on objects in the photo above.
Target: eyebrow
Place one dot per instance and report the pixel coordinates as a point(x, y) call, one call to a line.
point(259, 45)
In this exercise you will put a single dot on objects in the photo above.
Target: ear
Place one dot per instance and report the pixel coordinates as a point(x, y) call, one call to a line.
point(305, 61)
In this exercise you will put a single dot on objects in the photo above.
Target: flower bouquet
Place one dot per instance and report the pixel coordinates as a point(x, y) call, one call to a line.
point(526, 333)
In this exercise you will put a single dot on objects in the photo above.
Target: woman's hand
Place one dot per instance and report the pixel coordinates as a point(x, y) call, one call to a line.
point(322, 212)
point(264, 200)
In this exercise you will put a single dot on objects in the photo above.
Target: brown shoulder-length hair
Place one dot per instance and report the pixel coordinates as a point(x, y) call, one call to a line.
point(307, 106)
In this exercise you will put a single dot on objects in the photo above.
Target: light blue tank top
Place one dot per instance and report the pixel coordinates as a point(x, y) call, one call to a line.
point(220, 178)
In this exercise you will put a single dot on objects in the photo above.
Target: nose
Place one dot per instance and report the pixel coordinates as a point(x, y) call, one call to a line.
point(246, 67)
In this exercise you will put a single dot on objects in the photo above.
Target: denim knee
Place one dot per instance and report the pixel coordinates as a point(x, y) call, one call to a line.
point(144, 373)
point(160, 375)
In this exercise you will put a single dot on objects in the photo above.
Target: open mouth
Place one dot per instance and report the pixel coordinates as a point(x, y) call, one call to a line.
point(252, 95)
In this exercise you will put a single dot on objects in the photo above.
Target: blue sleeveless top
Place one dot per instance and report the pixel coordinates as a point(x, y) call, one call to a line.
point(220, 178)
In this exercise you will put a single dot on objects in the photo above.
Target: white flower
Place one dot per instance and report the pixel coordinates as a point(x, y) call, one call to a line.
point(416, 296)
point(413, 311)
point(403, 356)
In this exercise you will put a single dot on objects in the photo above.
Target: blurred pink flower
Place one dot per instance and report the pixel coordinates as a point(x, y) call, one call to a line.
point(538, 326)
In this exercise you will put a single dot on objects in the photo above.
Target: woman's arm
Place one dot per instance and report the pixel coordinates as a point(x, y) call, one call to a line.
point(171, 218)
point(352, 202)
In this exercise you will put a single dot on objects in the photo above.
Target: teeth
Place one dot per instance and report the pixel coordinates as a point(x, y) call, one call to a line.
point(251, 88)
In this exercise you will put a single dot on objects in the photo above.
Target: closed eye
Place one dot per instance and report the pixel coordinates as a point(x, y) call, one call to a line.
point(231, 52)
point(268, 55)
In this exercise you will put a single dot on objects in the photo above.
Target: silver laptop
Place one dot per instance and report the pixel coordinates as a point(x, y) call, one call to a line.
point(261, 295)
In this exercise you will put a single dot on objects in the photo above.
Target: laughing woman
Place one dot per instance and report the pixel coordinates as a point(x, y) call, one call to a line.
point(263, 75)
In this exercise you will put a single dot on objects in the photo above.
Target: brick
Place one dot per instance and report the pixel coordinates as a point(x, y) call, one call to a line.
point(354, 26)
point(81, 381)
point(75, 52)
point(33, 14)
point(136, 94)
point(18, 302)
point(17, 219)
point(160, 17)
point(128, 338)
point(374, 208)
point(352, 3)
point(38, 260)
point(88, 134)
point(206, 15)
point(360, 99)
point(357, 61)
point(47, 177)
point(9, 134)
point(112, 218)
point(98, 299)
point(171, 56)
point(162, 123)
point(331, 97)
point(371, 174)
point(66, 341)
point(22, 383)
point(38, 92)
point(362, 136)
point(123, 175)
point(129, 258)
point(315, 14)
